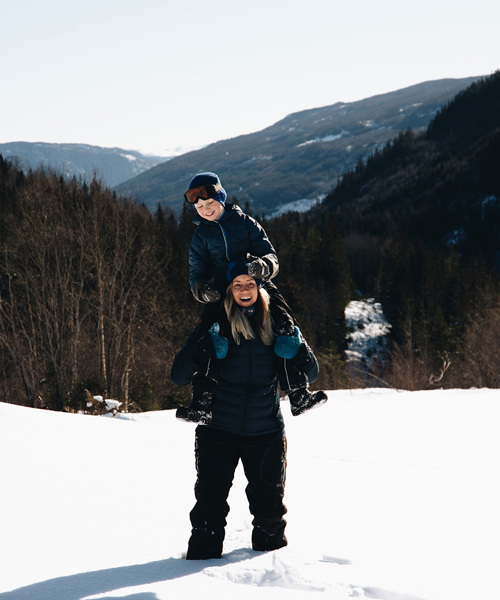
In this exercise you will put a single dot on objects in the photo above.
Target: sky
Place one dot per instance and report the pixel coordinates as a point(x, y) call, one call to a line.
point(162, 76)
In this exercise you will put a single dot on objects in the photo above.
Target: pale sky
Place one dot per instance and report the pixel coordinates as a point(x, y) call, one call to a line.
point(155, 75)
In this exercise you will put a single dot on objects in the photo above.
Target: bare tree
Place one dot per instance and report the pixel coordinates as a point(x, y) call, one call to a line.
point(122, 257)
point(482, 349)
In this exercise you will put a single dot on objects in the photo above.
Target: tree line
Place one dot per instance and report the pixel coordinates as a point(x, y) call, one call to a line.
point(95, 299)
point(421, 223)
point(93, 294)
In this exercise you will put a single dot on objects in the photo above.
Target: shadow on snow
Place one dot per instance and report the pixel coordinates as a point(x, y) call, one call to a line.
point(81, 585)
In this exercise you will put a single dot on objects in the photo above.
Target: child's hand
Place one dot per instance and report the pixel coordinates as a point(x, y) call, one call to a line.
point(258, 268)
point(209, 294)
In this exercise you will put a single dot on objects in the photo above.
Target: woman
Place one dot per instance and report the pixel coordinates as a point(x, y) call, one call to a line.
point(246, 422)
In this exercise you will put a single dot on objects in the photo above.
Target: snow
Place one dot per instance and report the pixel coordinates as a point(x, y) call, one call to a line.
point(302, 205)
point(391, 495)
point(324, 139)
point(256, 158)
point(129, 157)
point(367, 332)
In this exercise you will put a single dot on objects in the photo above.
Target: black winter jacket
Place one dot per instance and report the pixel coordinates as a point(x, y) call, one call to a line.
point(247, 394)
point(247, 401)
point(216, 243)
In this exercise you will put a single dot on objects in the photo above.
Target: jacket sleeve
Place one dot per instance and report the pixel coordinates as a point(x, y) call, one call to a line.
point(260, 245)
point(311, 368)
point(199, 265)
point(306, 361)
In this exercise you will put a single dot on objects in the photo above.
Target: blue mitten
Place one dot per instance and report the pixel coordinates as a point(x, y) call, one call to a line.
point(287, 346)
point(220, 343)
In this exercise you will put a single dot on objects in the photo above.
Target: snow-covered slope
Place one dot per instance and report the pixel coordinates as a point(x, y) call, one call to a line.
point(391, 496)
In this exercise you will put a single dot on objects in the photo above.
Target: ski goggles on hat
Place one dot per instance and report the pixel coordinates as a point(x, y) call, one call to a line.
point(203, 192)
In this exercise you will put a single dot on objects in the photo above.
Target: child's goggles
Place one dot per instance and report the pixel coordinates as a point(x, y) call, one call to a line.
point(204, 192)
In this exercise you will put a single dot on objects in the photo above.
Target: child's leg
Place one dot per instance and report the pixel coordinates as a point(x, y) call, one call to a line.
point(282, 315)
point(210, 347)
point(204, 382)
point(292, 378)
point(297, 389)
point(204, 389)
point(210, 315)
point(292, 375)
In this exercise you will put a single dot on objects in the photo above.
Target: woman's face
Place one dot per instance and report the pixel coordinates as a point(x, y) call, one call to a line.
point(245, 290)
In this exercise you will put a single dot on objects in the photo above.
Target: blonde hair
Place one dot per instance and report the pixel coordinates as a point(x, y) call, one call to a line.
point(241, 326)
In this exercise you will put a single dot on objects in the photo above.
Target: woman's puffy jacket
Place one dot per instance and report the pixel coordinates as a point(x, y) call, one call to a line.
point(247, 401)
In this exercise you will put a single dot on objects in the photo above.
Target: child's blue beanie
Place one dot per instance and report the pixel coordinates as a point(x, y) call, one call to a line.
point(209, 178)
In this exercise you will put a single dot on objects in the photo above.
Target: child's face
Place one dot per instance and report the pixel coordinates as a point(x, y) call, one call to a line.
point(209, 209)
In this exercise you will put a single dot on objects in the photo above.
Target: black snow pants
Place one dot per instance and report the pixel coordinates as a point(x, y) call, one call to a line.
point(264, 462)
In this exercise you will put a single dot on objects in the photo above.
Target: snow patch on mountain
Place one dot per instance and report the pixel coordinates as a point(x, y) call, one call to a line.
point(302, 205)
point(324, 139)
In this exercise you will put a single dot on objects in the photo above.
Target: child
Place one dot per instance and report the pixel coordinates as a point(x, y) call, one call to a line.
point(225, 235)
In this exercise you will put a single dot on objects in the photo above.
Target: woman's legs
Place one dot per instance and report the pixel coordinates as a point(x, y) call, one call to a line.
point(264, 462)
point(216, 461)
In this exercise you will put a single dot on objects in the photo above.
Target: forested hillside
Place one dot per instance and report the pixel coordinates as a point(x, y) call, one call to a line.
point(94, 295)
point(421, 224)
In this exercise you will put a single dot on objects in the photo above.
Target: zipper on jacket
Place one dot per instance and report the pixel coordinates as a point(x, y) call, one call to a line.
point(247, 394)
point(224, 237)
point(286, 373)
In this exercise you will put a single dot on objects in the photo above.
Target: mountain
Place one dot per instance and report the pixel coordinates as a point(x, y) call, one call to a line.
point(300, 157)
point(442, 185)
point(112, 165)
point(421, 225)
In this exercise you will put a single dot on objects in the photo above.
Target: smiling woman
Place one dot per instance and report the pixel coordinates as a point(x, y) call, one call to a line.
point(246, 422)
point(244, 290)
point(231, 247)
point(246, 298)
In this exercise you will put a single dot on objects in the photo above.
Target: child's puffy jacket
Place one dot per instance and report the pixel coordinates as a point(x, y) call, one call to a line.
point(216, 243)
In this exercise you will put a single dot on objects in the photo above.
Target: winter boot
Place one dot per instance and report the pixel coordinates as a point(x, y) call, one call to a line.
point(200, 409)
point(301, 399)
point(205, 544)
point(265, 541)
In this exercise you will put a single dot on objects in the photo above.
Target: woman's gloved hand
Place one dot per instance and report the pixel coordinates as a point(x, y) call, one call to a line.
point(287, 346)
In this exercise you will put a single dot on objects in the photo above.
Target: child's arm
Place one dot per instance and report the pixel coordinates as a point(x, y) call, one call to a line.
point(282, 315)
point(261, 252)
point(204, 292)
point(200, 273)
point(264, 267)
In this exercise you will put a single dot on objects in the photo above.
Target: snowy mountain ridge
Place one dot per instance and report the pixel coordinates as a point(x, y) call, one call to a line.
point(112, 165)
